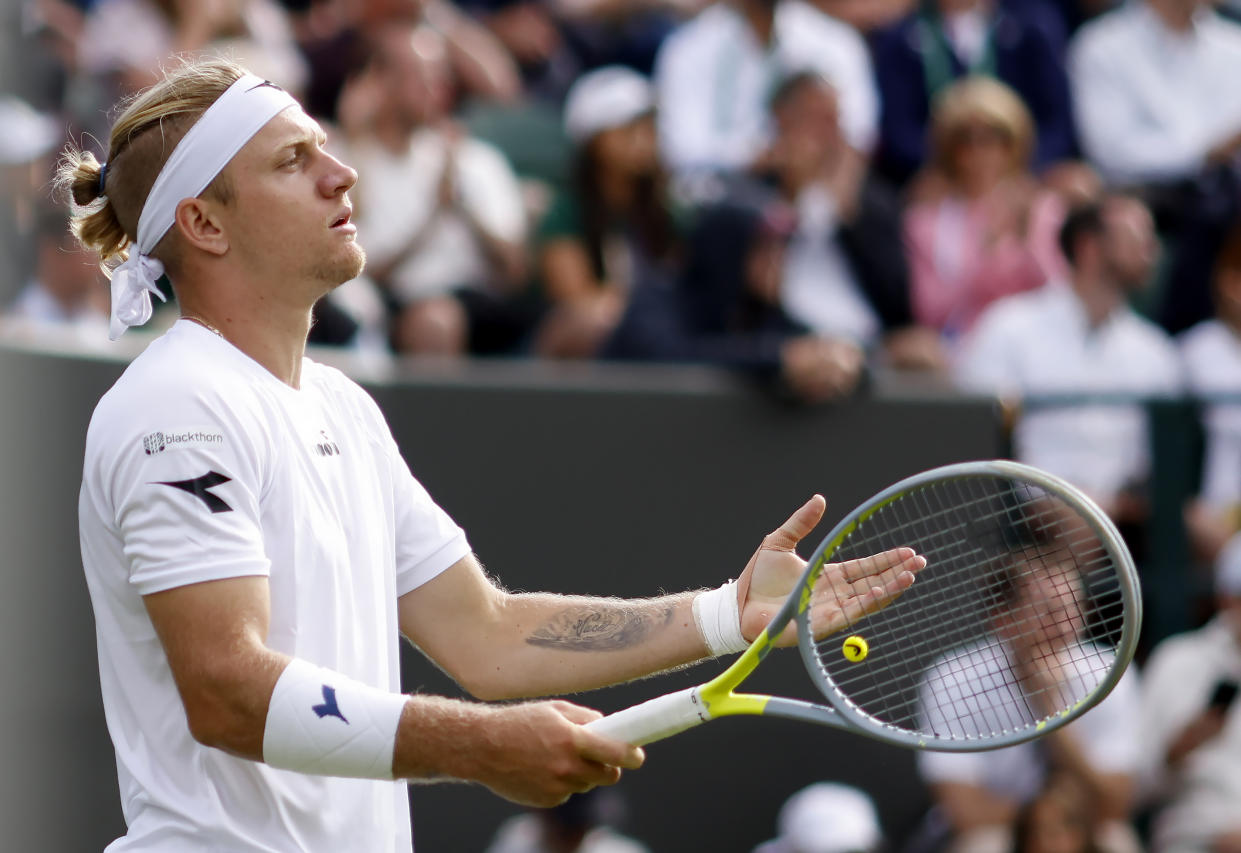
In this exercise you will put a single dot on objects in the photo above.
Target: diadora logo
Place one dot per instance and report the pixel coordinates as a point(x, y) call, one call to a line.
point(325, 447)
point(158, 442)
point(329, 708)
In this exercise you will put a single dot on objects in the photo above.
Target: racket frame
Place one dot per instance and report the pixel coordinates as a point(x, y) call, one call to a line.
point(666, 715)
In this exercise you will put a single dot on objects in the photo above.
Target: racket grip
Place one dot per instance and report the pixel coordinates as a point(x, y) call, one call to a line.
point(654, 719)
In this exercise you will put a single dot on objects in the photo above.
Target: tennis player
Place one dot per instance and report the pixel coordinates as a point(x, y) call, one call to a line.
point(254, 544)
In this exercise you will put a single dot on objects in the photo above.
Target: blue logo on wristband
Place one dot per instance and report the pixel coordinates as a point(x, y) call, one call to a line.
point(329, 708)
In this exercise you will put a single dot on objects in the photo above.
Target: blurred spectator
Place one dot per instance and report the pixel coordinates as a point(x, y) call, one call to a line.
point(26, 145)
point(336, 37)
point(725, 310)
point(582, 824)
point(1192, 733)
point(1081, 338)
point(826, 818)
point(865, 15)
point(441, 214)
point(1211, 354)
point(554, 41)
point(68, 290)
point(917, 59)
point(983, 228)
point(130, 40)
point(841, 277)
point(1158, 111)
point(1036, 637)
point(715, 73)
point(614, 229)
point(1154, 90)
point(1058, 820)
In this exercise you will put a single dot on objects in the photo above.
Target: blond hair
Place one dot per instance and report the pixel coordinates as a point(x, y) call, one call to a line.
point(150, 124)
point(985, 100)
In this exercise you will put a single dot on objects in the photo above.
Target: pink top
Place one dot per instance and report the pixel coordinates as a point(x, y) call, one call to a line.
point(959, 268)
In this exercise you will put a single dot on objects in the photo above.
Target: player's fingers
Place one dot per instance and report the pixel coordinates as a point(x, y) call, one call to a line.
point(913, 564)
point(579, 714)
point(797, 526)
point(871, 566)
point(610, 752)
point(830, 614)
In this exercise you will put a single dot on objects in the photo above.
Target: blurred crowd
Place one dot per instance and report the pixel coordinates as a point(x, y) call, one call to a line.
point(1039, 199)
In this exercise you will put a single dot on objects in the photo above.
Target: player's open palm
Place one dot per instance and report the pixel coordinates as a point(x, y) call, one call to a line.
point(844, 592)
point(538, 754)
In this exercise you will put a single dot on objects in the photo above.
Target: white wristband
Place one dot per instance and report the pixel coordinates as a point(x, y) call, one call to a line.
point(325, 723)
point(719, 620)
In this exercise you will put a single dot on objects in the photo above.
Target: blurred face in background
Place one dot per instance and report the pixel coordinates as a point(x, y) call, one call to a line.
point(413, 64)
point(810, 111)
point(67, 271)
point(628, 150)
point(1130, 248)
point(1044, 611)
point(982, 154)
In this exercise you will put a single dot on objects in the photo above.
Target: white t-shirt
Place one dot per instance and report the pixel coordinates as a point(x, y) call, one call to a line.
point(398, 193)
point(1211, 353)
point(201, 465)
point(1041, 343)
point(1107, 733)
point(1149, 101)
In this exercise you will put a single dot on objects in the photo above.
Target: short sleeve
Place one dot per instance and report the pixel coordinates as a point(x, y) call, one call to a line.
point(1110, 732)
point(185, 480)
point(428, 541)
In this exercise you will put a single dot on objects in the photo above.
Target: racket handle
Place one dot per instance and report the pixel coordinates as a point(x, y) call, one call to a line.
point(654, 719)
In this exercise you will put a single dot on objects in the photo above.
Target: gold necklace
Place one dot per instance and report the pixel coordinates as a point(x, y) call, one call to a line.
point(200, 321)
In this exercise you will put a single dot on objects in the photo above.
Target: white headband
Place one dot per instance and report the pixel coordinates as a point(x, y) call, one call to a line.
point(202, 153)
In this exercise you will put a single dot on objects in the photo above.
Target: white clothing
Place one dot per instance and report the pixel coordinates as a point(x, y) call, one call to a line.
point(524, 834)
point(398, 193)
point(1150, 102)
point(36, 307)
point(1211, 354)
point(1107, 733)
point(818, 287)
point(201, 465)
point(1201, 798)
point(120, 35)
point(1041, 343)
point(714, 80)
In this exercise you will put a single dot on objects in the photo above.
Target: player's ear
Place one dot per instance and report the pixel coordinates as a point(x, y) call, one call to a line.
point(200, 226)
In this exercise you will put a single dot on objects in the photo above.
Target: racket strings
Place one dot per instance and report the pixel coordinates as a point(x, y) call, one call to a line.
point(1013, 620)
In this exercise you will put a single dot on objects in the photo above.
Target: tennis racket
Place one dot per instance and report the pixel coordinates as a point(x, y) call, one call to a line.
point(1024, 618)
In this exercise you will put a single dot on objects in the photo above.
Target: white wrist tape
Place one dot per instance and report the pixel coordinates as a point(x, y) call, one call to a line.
point(719, 620)
point(325, 723)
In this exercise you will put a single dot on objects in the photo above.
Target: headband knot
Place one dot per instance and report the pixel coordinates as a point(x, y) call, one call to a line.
point(101, 190)
point(204, 151)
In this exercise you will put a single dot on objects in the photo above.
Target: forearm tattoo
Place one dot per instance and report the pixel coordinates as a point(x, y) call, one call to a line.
point(596, 628)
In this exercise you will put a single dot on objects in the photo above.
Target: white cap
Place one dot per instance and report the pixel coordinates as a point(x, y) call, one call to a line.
point(608, 97)
point(829, 818)
point(27, 133)
point(1228, 568)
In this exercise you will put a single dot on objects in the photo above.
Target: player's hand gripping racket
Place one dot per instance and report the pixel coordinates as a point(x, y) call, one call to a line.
point(1025, 616)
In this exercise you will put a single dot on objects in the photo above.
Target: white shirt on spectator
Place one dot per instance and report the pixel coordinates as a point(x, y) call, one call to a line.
point(1211, 354)
point(1041, 343)
point(1150, 102)
point(136, 35)
point(399, 193)
point(819, 288)
point(1202, 796)
point(1107, 733)
point(714, 80)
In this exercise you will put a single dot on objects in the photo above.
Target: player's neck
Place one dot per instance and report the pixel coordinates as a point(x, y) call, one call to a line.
point(274, 335)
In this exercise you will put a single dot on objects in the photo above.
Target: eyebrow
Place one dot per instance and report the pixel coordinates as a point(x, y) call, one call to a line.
point(302, 140)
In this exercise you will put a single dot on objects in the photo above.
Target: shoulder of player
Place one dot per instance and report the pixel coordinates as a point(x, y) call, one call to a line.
point(1015, 313)
point(169, 388)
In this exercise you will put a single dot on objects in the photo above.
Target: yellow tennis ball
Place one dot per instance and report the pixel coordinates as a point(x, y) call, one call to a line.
point(855, 648)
